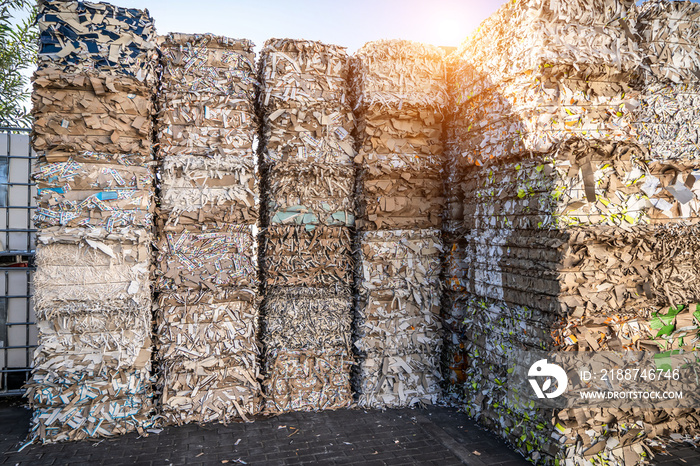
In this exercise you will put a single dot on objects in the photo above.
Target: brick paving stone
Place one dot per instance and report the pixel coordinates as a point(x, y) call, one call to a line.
point(436, 435)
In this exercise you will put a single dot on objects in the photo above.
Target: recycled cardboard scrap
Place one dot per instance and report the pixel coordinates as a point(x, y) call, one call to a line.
point(399, 199)
point(208, 355)
point(89, 270)
point(309, 319)
point(206, 103)
point(307, 380)
point(394, 73)
point(306, 114)
point(207, 256)
point(399, 381)
point(667, 31)
point(295, 256)
point(301, 73)
point(321, 133)
point(201, 189)
point(89, 194)
point(392, 322)
point(84, 35)
point(525, 36)
point(310, 194)
point(582, 183)
point(390, 259)
point(667, 122)
point(586, 271)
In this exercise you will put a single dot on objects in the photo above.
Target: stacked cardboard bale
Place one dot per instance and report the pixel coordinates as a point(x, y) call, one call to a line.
point(92, 133)
point(207, 270)
point(306, 155)
point(399, 92)
point(578, 237)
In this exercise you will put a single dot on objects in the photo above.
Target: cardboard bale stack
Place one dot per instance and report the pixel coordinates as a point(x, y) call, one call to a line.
point(92, 129)
point(207, 245)
point(578, 237)
point(399, 93)
point(309, 216)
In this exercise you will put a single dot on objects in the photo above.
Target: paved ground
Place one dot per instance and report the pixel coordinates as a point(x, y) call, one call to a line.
point(433, 436)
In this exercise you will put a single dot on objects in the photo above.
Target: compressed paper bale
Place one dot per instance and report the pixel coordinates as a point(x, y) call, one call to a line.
point(412, 136)
point(310, 319)
point(95, 332)
point(537, 112)
point(91, 271)
point(307, 380)
point(101, 419)
point(399, 199)
point(221, 405)
point(310, 194)
point(597, 270)
point(83, 35)
point(398, 73)
point(296, 256)
point(527, 35)
point(217, 325)
point(582, 183)
point(208, 355)
point(84, 99)
point(309, 134)
point(97, 195)
point(668, 123)
point(207, 256)
point(668, 37)
point(399, 381)
point(392, 259)
point(394, 322)
point(46, 392)
point(205, 63)
point(301, 73)
point(198, 189)
point(306, 114)
point(206, 106)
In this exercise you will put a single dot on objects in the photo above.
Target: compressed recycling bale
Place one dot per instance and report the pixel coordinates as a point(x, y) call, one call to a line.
point(398, 381)
point(310, 194)
point(394, 322)
point(306, 112)
point(201, 189)
point(96, 195)
point(77, 36)
point(667, 122)
point(455, 263)
point(398, 73)
point(207, 256)
point(308, 380)
point(309, 319)
point(208, 355)
point(206, 104)
point(317, 134)
point(91, 270)
point(528, 35)
point(668, 32)
point(107, 418)
point(303, 72)
point(120, 329)
point(399, 199)
point(391, 259)
point(583, 183)
point(295, 256)
point(591, 271)
point(536, 113)
point(220, 325)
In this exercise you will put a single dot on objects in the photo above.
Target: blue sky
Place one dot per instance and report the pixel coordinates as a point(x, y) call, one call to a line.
point(349, 23)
